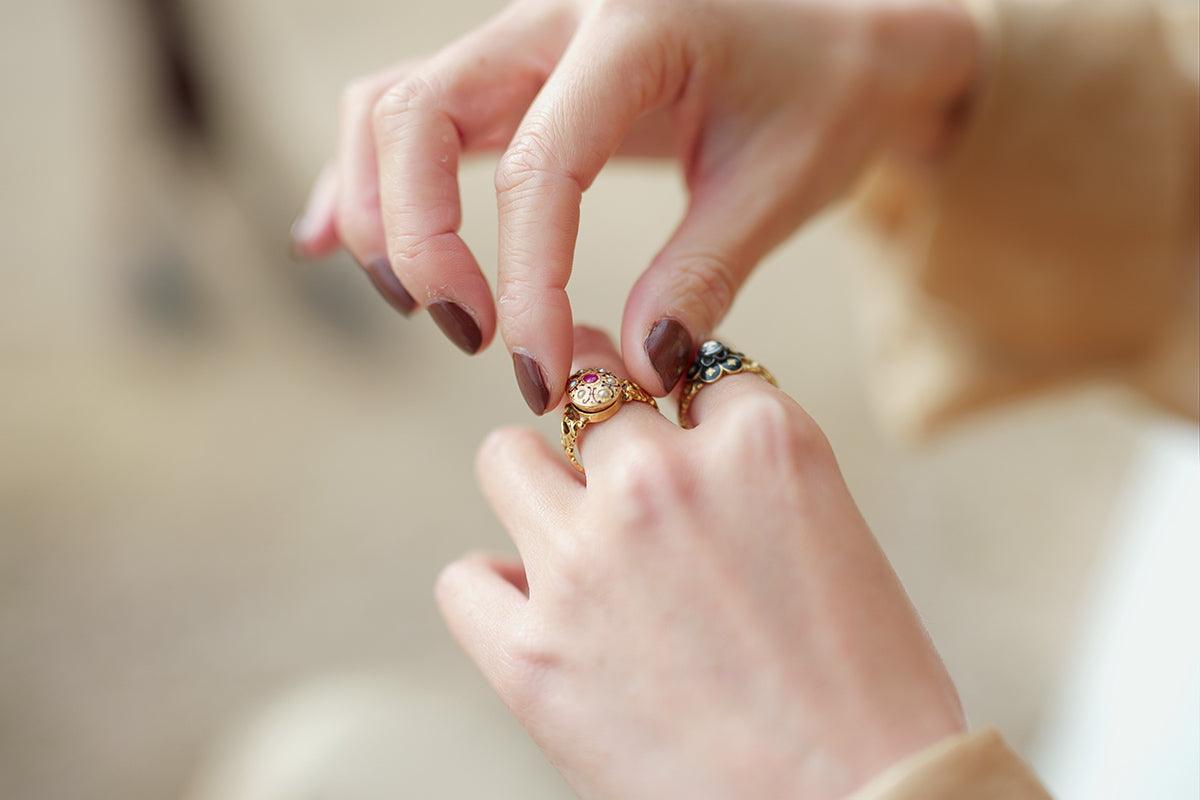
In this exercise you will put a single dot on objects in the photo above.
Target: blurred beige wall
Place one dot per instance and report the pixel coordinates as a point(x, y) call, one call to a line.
point(227, 479)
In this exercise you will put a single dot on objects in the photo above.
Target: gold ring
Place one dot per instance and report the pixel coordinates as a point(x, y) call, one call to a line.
point(714, 361)
point(594, 395)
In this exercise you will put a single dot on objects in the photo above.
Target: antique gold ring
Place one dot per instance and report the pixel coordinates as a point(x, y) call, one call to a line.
point(714, 361)
point(594, 395)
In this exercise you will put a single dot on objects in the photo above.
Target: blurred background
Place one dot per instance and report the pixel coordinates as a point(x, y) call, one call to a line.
point(227, 480)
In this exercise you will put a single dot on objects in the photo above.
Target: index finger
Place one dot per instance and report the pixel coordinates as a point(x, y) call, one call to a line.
point(611, 74)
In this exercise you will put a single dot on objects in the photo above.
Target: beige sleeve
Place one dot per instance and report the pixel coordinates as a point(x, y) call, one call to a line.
point(1057, 239)
point(979, 766)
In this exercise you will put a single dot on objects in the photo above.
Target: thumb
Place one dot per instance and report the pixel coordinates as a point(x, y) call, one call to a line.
point(731, 223)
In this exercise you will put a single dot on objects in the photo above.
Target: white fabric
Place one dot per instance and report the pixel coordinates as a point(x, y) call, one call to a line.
point(1128, 721)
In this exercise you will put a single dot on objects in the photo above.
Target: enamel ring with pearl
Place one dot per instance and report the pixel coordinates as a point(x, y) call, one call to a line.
point(714, 361)
point(593, 396)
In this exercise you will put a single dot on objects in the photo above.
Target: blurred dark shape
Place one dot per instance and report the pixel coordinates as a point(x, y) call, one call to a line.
point(168, 292)
point(336, 296)
point(169, 297)
point(182, 90)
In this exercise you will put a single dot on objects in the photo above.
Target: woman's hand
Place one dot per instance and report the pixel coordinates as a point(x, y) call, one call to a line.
point(708, 617)
point(772, 107)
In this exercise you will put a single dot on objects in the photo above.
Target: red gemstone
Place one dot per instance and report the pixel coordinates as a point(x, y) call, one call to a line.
point(591, 377)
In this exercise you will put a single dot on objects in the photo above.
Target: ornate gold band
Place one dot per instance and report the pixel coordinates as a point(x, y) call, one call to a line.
point(593, 396)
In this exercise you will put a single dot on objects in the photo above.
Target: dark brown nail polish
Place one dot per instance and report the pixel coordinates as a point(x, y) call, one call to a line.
point(531, 382)
point(458, 325)
point(670, 348)
point(388, 285)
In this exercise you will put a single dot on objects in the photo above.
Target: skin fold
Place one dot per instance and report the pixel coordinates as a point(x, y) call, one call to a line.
point(771, 108)
point(707, 616)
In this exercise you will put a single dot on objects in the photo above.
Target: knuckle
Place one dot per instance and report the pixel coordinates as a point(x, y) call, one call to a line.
point(453, 576)
point(772, 428)
point(505, 445)
point(651, 56)
point(529, 155)
point(526, 664)
point(648, 483)
point(771, 412)
point(576, 562)
point(404, 96)
point(408, 248)
point(522, 301)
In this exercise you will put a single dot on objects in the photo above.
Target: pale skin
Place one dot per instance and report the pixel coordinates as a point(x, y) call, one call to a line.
point(772, 109)
point(706, 616)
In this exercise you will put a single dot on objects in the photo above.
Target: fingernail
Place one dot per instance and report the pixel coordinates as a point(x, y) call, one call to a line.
point(531, 382)
point(387, 284)
point(669, 347)
point(458, 325)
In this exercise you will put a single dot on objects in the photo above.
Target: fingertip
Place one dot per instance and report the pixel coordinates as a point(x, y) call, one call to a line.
point(384, 279)
point(309, 239)
point(459, 325)
point(531, 380)
point(655, 343)
point(313, 233)
point(668, 347)
point(443, 275)
point(537, 327)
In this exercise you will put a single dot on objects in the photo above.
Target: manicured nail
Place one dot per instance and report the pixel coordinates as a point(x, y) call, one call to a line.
point(458, 325)
point(531, 382)
point(670, 348)
point(387, 284)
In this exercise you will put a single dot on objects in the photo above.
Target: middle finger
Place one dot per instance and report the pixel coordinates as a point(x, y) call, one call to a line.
point(470, 95)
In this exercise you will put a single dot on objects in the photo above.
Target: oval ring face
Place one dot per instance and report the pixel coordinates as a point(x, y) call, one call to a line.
point(593, 390)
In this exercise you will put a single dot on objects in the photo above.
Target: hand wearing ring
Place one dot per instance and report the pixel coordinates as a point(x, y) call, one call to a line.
point(713, 362)
point(709, 611)
point(595, 395)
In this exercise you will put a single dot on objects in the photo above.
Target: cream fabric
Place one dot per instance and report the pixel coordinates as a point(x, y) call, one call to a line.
point(1056, 241)
point(979, 766)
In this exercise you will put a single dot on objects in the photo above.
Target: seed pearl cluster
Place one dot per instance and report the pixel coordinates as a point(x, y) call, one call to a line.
point(593, 388)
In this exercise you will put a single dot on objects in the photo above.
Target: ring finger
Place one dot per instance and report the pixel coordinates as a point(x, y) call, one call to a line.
point(604, 443)
point(359, 225)
point(730, 374)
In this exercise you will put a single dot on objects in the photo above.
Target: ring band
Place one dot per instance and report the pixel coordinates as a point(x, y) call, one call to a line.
point(594, 395)
point(714, 361)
